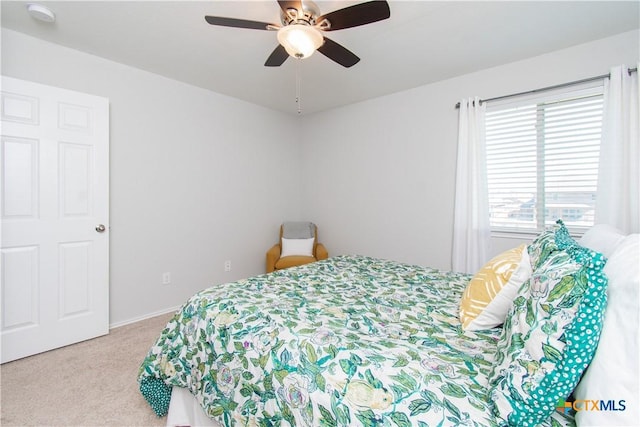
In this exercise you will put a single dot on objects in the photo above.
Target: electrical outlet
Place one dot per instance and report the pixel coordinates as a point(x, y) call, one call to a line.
point(166, 278)
point(227, 265)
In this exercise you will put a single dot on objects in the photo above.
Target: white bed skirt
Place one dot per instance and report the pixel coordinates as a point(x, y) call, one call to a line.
point(184, 410)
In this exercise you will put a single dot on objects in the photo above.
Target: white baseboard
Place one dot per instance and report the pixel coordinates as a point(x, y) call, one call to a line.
point(144, 317)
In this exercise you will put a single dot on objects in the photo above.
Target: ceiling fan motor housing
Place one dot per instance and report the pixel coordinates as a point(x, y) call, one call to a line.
point(310, 11)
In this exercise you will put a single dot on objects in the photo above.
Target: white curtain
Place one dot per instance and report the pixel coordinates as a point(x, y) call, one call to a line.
point(471, 233)
point(618, 198)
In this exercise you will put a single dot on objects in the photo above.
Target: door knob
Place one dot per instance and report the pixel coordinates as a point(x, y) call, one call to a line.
point(100, 228)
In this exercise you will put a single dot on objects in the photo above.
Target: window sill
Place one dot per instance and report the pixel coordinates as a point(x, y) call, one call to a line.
point(530, 235)
point(516, 235)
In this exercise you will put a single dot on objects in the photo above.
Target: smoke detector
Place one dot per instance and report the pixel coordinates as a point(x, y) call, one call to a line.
point(41, 13)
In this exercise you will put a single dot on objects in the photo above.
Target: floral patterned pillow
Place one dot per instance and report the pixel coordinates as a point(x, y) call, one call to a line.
point(545, 244)
point(551, 332)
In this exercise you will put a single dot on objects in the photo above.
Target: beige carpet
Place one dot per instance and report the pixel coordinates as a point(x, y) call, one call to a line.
point(93, 383)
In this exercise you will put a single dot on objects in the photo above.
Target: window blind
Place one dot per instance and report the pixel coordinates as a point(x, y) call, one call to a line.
point(542, 161)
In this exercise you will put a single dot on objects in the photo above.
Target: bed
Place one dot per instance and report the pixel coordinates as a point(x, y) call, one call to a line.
point(351, 340)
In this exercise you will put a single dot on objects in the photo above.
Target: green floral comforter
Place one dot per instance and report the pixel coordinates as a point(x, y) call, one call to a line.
point(347, 341)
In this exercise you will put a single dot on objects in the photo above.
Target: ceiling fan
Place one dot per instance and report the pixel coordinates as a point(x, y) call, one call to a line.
point(302, 25)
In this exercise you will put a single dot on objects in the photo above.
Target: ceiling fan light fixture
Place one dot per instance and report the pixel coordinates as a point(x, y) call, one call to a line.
point(300, 40)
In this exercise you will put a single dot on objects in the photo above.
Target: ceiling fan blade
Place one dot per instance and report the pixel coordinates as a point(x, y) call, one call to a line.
point(338, 53)
point(356, 15)
point(239, 23)
point(294, 4)
point(277, 57)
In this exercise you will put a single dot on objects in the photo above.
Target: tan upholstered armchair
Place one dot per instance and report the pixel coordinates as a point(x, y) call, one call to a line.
point(298, 245)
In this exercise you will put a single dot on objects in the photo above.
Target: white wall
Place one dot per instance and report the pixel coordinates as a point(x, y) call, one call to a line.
point(379, 179)
point(196, 177)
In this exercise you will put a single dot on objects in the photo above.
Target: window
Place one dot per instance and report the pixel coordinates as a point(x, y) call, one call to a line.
point(542, 160)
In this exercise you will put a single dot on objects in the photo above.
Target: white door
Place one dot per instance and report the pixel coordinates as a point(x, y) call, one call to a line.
point(54, 197)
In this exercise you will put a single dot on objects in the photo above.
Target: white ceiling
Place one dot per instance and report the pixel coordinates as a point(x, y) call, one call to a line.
point(422, 42)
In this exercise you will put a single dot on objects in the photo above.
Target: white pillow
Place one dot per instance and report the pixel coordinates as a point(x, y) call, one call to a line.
point(602, 238)
point(297, 247)
point(613, 372)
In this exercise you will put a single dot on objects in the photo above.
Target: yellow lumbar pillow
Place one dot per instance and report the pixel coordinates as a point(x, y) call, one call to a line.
point(488, 296)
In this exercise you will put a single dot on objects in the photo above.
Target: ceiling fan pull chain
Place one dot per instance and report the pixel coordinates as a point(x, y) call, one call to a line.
point(298, 95)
